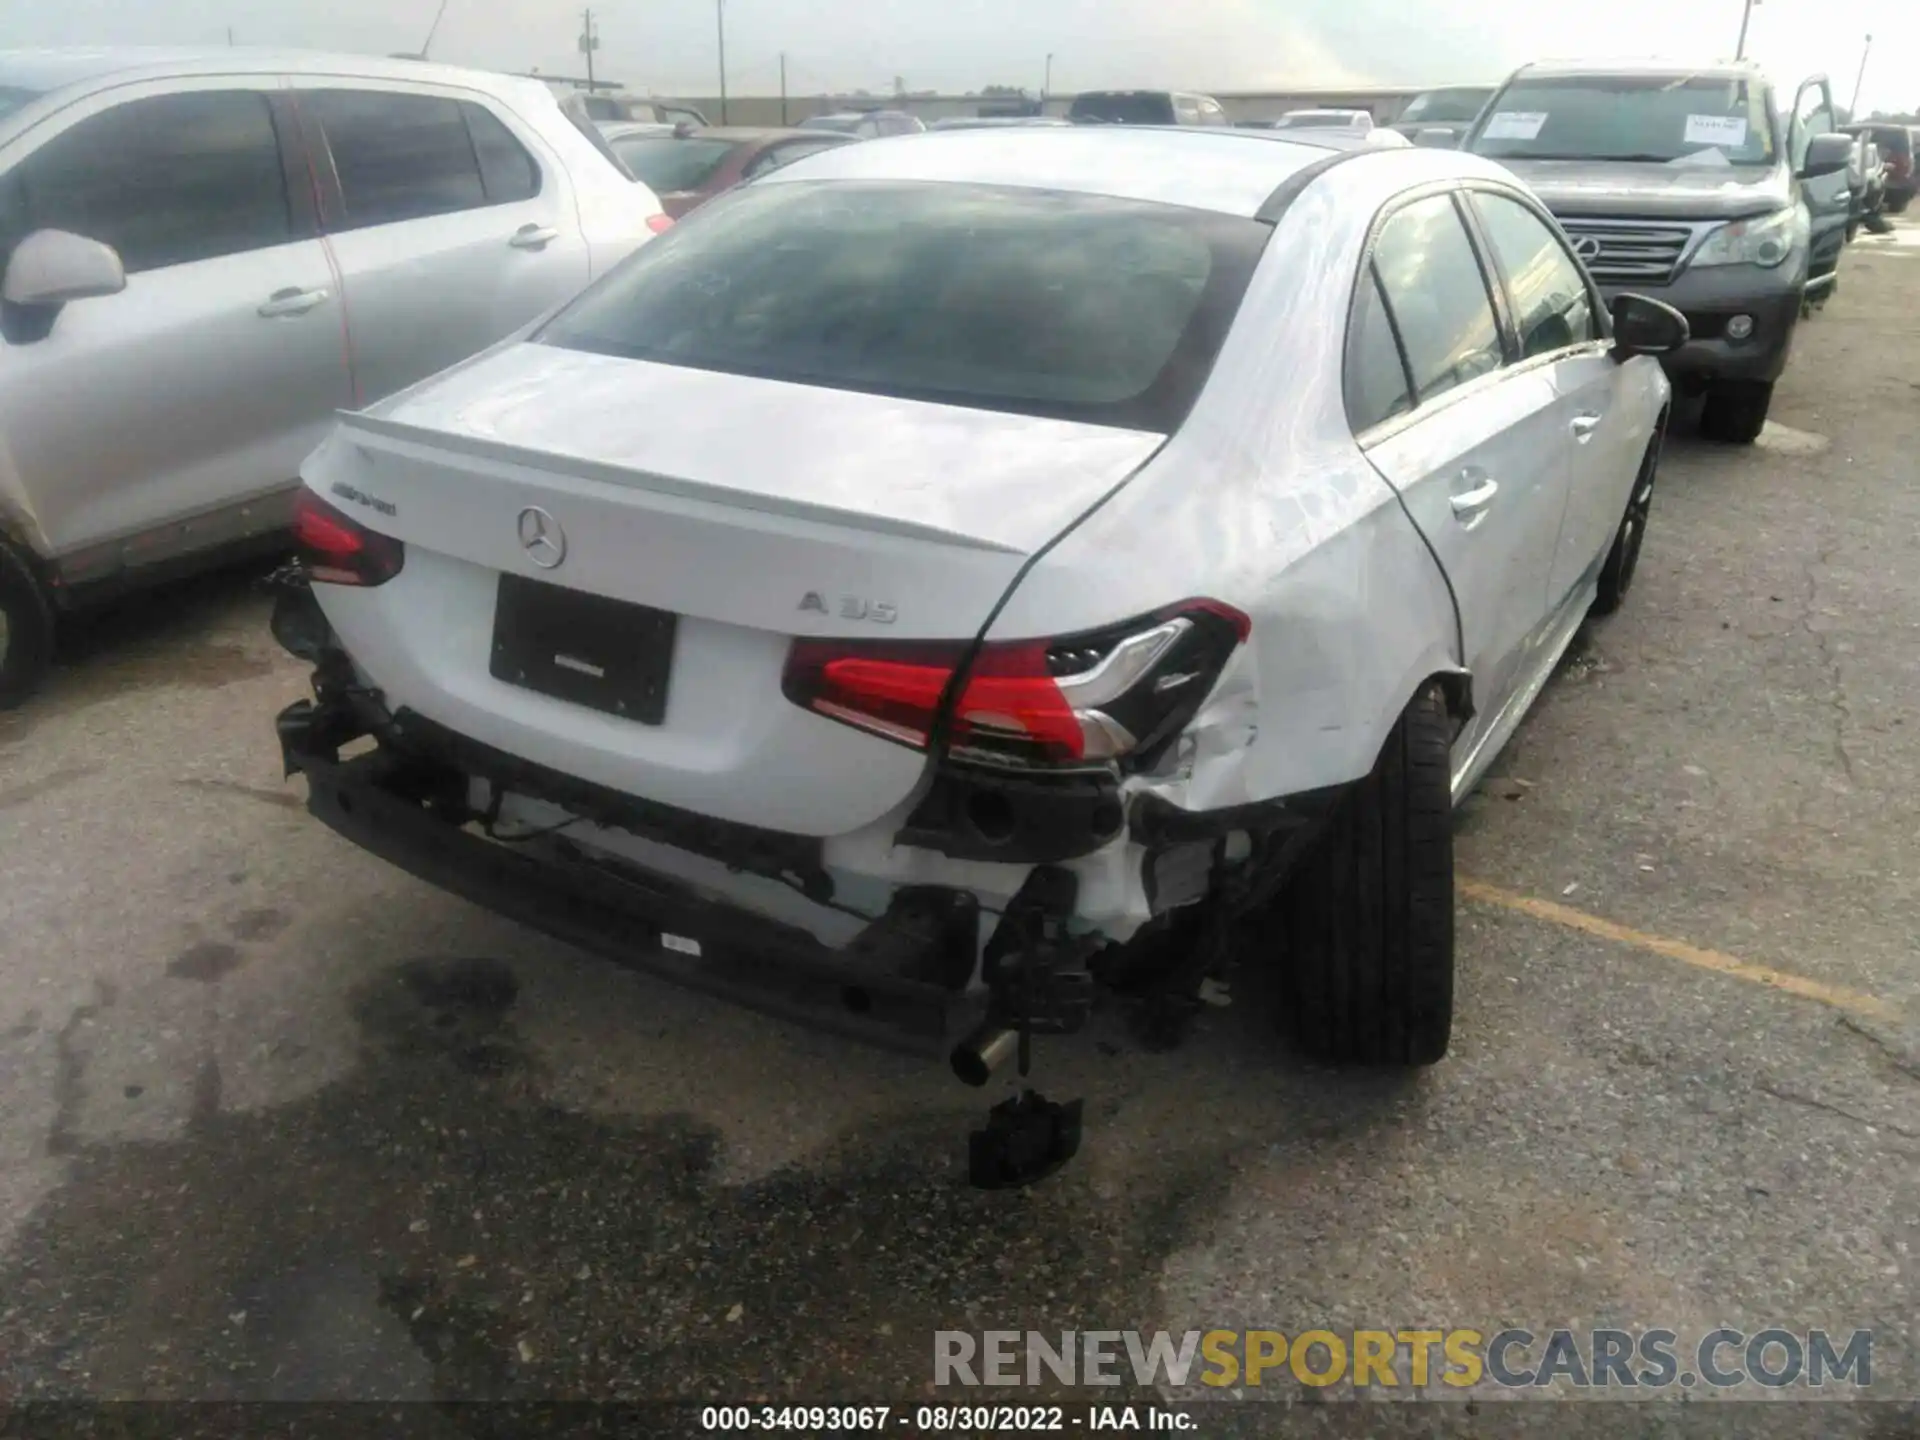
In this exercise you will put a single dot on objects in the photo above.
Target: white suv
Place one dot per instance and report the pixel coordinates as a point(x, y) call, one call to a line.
point(206, 255)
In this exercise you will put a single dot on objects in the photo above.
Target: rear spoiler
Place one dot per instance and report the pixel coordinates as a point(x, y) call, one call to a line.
point(398, 433)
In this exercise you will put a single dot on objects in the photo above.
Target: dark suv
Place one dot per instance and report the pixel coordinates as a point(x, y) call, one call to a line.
point(1896, 149)
point(1451, 110)
point(1145, 107)
point(1691, 185)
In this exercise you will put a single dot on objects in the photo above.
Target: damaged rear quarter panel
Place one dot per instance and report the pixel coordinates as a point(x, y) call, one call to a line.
point(1264, 500)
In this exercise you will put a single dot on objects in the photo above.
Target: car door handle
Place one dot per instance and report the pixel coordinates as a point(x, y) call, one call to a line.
point(1467, 504)
point(292, 301)
point(534, 237)
point(1584, 426)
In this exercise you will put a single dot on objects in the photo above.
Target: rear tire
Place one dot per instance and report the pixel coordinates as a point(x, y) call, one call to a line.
point(1736, 410)
point(26, 628)
point(1616, 576)
point(1367, 918)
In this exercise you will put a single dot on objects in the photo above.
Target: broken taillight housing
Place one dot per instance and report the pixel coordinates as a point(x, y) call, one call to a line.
point(336, 549)
point(1087, 699)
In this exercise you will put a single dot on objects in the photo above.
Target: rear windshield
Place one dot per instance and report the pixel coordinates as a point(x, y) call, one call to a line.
point(845, 124)
point(1322, 120)
point(1043, 303)
point(1649, 118)
point(665, 164)
point(1145, 108)
point(1440, 106)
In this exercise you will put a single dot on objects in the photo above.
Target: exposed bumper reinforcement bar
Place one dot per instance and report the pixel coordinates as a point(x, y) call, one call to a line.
point(746, 958)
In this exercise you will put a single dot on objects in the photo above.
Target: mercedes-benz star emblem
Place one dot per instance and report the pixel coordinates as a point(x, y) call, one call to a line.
point(542, 538)
point(1587, 248)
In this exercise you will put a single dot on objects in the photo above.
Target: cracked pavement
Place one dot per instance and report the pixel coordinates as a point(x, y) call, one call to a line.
point(276, 1121)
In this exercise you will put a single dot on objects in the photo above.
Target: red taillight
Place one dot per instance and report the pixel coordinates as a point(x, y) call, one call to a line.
point(1084, 699)
point(660, 224)
point(336, 549)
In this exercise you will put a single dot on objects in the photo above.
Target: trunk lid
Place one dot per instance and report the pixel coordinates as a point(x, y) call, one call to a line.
point(751, 510)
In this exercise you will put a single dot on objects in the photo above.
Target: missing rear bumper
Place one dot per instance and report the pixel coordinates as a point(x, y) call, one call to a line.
point(899, 984)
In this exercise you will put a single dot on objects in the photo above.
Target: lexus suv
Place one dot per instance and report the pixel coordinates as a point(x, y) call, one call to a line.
point(951, 576)
point(1689, 184)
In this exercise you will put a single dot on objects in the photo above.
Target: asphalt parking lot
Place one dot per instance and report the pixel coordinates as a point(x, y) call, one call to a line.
point(279, 1122)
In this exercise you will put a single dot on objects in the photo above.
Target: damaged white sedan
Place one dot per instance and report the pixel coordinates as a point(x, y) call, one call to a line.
point(953, 576)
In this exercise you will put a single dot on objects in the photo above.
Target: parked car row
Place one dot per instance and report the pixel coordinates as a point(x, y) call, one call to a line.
point(1866, 185)
point(1897, 145)
point(850, 588)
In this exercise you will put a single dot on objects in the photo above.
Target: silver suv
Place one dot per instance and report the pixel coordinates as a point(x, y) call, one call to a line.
point(207, 255)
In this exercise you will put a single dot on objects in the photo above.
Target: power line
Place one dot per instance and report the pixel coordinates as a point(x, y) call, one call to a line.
point(433, 29)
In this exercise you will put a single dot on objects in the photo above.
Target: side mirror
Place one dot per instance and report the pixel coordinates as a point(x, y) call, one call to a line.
point(1827, 155)
point(1436, 137)
point(1645, 326)
point(51, 267)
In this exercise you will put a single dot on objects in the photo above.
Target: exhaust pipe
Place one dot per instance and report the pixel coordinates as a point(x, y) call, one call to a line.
point(983, 1052)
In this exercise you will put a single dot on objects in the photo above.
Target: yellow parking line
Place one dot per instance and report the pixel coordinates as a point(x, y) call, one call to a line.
point(1718, 961)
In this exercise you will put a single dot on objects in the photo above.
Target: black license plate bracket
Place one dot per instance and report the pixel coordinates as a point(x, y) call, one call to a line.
point(609, 655)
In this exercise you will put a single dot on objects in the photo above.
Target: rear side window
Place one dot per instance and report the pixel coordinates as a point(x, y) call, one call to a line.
point(1043, 303)
point(1140, 108)
point(1552, 308)
point(399, 157)
point(164, 181)
point(1376, 378)
point(667, 164)
point(507, 172)
point(1437, 296)
point(779, 156)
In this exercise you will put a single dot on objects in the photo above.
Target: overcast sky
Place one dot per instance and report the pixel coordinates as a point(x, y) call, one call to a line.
point(668, 46)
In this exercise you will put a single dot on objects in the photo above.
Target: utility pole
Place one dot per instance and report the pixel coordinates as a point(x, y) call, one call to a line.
point(1853, 110)
point(783, 87)
point(720, 23)
point(1046, 86)
point(229, 37)
point(1746, 17)
point(589, 42)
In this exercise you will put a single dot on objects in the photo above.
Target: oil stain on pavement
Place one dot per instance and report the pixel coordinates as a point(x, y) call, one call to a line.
point(430, 1228)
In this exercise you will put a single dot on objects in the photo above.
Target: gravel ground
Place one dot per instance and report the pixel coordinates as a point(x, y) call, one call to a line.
point(277, 1122)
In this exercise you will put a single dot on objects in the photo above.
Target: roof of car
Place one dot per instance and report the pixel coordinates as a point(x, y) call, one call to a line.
point(1233, 172)
point(747, 134)
point(1731, 69)
point(738, 134)
point(56, 69)
point(628, 129)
